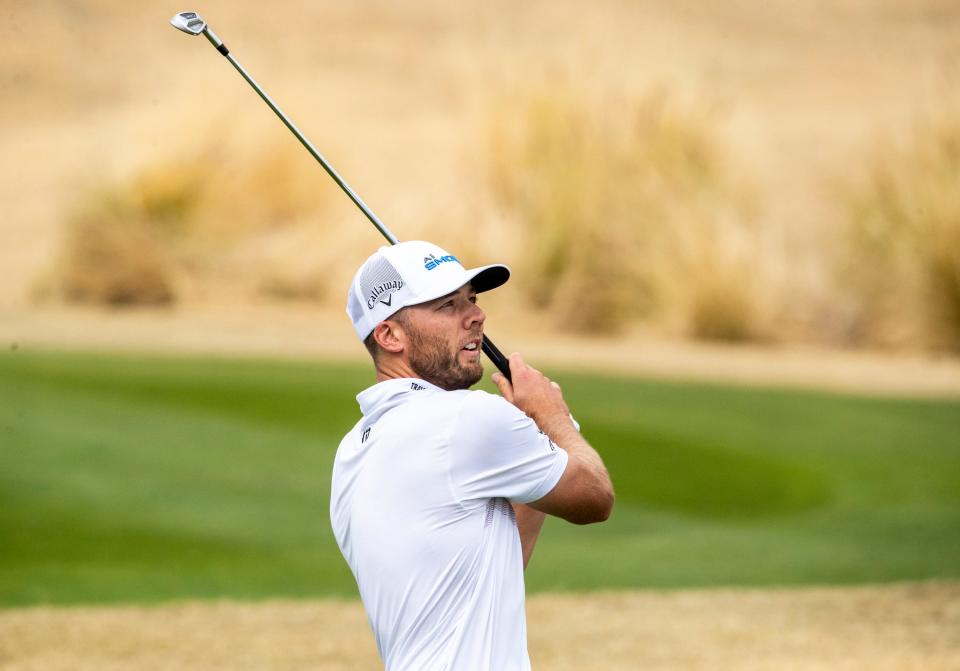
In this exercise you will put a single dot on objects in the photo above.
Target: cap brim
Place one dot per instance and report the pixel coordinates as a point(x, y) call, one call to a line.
point(489, 277)
point(481, 279)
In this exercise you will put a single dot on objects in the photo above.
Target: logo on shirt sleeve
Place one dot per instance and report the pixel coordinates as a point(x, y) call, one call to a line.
point(553, 445)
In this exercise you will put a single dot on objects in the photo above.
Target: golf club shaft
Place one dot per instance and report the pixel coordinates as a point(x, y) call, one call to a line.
point(222, 48)
point(494, 354)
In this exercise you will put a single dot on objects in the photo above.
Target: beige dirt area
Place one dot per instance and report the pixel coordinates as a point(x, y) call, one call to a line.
point(910, 626)
point(299, 332)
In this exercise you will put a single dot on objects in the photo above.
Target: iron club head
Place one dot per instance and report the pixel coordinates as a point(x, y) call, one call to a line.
point(188, 22)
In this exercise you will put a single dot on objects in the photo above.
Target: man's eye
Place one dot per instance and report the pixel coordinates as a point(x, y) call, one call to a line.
point(448, 304)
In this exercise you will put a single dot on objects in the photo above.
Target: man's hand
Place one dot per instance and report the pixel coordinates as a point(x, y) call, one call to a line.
point(535, 394)
point(584, 493)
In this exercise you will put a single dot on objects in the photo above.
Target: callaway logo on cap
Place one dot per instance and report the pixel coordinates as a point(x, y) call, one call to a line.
point(410, 273)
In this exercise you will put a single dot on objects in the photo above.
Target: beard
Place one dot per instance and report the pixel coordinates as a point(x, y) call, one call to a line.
point(432, 360)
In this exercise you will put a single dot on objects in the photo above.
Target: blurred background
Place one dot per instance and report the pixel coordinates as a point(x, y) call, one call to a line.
point(692, 196)
point(783, 173)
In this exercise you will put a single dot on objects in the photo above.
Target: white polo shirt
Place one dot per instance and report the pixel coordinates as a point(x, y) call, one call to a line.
point(420, 509)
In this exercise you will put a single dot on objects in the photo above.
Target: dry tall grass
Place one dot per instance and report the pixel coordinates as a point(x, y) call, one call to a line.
point(629, 209)
point(399, 86)
point(901, 263)
point(178, 222)
point(111, 255)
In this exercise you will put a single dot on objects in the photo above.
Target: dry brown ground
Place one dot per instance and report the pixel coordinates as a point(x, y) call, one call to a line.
point(278, 331)
point(904, 627)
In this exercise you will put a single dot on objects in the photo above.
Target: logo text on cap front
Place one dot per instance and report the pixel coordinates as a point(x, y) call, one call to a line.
point(430, 262)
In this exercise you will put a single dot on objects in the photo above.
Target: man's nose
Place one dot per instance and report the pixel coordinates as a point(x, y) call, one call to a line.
point(475, 315)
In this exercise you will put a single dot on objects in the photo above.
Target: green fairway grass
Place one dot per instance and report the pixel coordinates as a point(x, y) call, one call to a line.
point(146, 478)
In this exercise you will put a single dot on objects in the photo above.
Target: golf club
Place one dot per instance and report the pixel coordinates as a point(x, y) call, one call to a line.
point(191, 24)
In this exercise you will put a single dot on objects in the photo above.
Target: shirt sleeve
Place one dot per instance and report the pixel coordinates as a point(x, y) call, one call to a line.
point(497, 451)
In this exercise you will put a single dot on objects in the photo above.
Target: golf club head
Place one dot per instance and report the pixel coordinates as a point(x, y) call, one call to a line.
point(188, 22)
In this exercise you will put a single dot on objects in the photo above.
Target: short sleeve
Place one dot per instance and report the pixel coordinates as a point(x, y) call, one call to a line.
point(497, 451)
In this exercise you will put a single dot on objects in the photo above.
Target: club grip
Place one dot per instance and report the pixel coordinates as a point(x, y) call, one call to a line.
point(496, 356)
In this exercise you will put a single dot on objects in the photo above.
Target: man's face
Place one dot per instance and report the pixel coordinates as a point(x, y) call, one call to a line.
point(444, 338)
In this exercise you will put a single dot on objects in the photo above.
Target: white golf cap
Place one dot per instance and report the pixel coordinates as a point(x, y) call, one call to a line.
point(410, 273)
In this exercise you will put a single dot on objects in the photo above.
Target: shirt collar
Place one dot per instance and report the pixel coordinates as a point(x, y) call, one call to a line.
point(376, 400)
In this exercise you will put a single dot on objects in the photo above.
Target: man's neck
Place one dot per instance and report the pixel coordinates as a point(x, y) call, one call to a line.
point(393, 369)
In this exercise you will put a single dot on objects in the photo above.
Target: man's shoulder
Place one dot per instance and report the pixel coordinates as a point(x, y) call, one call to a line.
point(468, 398)
point(473, 399)
point(356, 428)
point(423, 403)
point(351, 436)
point(468, 410)
point(480, 410)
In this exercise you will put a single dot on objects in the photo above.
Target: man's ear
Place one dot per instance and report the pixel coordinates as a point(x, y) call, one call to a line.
point(390, 336)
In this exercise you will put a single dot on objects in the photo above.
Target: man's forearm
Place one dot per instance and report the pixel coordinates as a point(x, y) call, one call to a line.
point(584, 494)
point(561, 430)
point(529, 524)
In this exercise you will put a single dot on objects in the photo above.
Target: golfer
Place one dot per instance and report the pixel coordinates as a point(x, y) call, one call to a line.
point(439, 493)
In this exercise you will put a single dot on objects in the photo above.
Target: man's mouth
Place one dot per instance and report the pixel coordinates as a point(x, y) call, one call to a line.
point(472, 346)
